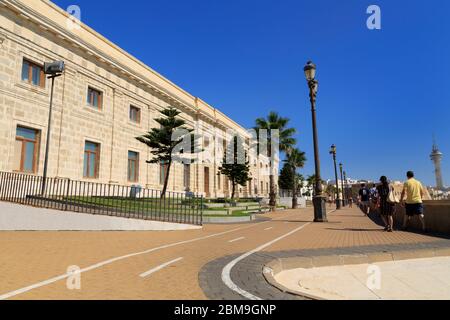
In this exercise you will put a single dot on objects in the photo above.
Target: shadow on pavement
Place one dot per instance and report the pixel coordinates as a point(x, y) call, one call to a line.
point(354, 229)
point(310, 221)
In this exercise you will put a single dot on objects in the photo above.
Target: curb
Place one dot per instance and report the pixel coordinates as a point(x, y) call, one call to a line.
point(274, 267)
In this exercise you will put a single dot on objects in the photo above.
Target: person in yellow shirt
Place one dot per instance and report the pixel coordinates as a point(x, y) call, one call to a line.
point(413, 190)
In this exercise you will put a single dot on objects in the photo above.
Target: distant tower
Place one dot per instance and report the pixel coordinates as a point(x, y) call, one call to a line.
point(436, 157)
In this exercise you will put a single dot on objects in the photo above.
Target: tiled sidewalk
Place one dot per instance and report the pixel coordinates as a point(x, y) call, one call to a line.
point(27, 258)
point(348, 234)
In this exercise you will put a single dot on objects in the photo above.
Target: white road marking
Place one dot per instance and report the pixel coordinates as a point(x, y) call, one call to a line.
point(235, 240)
point(267, 229)
point(158, 268)
point(106, 262)
point(226, 272)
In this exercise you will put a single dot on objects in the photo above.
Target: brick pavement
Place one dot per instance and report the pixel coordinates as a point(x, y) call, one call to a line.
point(31, 257)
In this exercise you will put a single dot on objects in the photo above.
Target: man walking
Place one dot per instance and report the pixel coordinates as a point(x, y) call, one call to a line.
point(413, 190)
point(364, 197)
point(373, 197)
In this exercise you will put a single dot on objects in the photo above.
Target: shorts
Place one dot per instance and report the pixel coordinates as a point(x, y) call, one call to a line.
point(387, 209)
point(415, 209)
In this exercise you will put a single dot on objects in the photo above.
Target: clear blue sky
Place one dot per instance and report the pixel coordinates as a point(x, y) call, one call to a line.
point(382, 93)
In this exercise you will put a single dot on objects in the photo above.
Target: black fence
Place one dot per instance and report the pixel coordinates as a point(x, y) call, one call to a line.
point(101, 199)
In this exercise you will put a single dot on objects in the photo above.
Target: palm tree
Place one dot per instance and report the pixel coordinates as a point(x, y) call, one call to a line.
point(295, 159)
point(285, 142)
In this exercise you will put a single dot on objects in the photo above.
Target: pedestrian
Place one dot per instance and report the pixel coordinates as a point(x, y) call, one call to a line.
point(350, 202)
point(363, 199)
point(373, 197)
point(413, 191)
point(385, 207)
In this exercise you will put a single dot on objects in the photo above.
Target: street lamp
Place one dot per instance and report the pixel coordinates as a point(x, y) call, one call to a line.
point(347, 196)
point(53, 70)
point(344, 200)
point(320, 212)
point(333, 153)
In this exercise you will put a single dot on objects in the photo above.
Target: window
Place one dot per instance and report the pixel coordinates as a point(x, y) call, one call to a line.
point(135, 114)
point(26, 149)
point(91, 160)
point(218, 181)
point(163, 167)
point(133, 166)
point(33, 73)
point(94, 98)
point(206, 142)
point(187, 176)
point(262, 187)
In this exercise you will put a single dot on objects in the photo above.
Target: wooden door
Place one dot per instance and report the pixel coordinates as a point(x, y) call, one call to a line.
point(207, 190)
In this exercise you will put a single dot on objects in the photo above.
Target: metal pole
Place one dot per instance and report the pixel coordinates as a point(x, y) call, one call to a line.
point(47, 144)
point(344, 201)
point(320, 214)
point(338, 200)
point(346, 188)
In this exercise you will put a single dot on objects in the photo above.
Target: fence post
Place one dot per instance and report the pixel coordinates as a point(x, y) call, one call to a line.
point(201, 210)
point(66, 205)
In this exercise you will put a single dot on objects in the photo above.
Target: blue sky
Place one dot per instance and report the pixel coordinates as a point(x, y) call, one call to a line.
point(383, 93)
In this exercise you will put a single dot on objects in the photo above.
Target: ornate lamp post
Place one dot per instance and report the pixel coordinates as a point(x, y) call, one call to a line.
point(344, 199)
point(53, 70)
point(320, 213)
point(347, 196)
point(333, 153)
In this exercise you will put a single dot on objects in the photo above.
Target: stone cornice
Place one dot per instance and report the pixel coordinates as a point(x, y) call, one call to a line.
point(26, 12)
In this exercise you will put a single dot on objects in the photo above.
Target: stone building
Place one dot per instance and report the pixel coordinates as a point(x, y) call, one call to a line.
point(104, 99)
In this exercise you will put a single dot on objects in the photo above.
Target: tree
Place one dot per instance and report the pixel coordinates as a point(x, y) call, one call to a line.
point(295, 159)
point(235, 166)
point(165, 142)
point(312, 182)
point(285, 141)
point(286, 178)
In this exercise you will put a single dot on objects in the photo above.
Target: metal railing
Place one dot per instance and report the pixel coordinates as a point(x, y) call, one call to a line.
point(101, 199)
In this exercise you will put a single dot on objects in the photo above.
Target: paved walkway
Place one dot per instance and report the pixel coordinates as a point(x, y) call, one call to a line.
point(171, 265)
point(416, 279)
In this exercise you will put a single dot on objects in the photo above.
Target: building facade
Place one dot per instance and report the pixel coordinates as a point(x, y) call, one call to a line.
point(103, 101)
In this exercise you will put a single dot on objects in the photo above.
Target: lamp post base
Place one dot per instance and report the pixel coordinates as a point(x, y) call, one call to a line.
point(320, 210)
